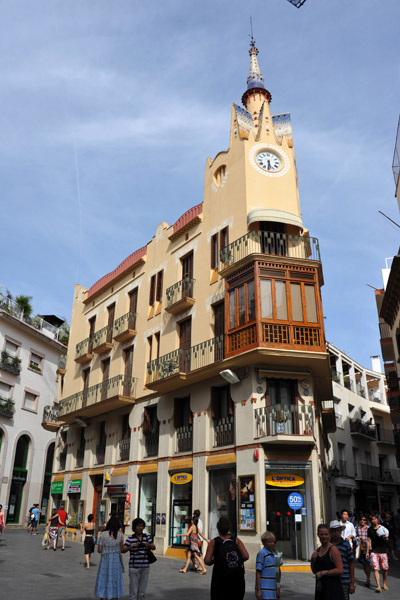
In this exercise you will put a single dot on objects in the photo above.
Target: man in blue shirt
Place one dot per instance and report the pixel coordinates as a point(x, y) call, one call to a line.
point(35, 518)
point(346, 552)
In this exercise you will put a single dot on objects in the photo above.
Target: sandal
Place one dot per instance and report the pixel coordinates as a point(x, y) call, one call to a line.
point(182, 571)
point(203, 572)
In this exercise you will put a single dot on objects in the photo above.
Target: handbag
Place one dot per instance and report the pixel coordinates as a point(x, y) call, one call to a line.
point(151, 557)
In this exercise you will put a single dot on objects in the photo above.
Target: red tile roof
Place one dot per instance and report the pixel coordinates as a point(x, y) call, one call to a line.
point(118, 272)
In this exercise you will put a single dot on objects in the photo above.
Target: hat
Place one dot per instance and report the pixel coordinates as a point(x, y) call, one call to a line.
point(336, 525)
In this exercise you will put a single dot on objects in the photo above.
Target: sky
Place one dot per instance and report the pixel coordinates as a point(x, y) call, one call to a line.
point(109, 109)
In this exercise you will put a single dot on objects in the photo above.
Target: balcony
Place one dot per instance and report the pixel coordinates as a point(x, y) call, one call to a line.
point(51, 421)
point(384, 436)
point(224, 431)
point(7, 408)
point(101, 453)
point(362, 429)
point(268, 243)
point(98, 399)
point(84, 351)
point(151, 443)
point(180, 296)
point(328, 416)
point(9, 363)
point(124, 449)
point(181, 367)
point(125, 327)
point(80, 457)
point(285, 424)
point(342, 468)
point(376, 473)
point(184, 438)
point(103, 340)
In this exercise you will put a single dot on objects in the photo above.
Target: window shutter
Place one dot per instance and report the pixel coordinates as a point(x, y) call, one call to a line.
point(177, 413)
point(215, 403)
point(147, 428)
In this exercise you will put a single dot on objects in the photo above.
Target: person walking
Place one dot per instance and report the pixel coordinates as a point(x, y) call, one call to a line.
point(227, 581)
point(266, 571)
point(2, 520)
point(109, 580)
point(35, 518)
point(194, 552)
point(347, 554)
point(138, 545)
point(196, 515)
point(377, 549)
point(88, 542)
point(362, 536)
point(52, 529)
point(62, 517)
point(327, 566)
point(389, 524)
point(349, 532)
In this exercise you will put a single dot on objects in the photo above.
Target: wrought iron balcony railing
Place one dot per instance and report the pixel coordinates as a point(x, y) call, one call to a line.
point(180, 290)
point(363, 428)
point(100, 453)
point(284, 419)
point(185, 361)
point(120, 385)
point(124, 324)
point(270, 243)
point(151, 443)
point(83, 348)
point(376, 473)
point(224, 430)
point(184, 438)
point(102, 338)
point(124, 449)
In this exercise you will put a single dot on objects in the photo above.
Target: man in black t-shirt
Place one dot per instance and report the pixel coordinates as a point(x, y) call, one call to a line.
point(377, 549)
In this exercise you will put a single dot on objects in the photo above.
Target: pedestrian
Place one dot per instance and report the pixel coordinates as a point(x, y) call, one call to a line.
point(227, 581)
point(266, 571)
point(349, 532)
point(52, 529)
point(389, 524)
point(194, 552)
point(61, 525)
point(109, 580)
point(327, 566)
point(362, 536)
point(89, 541)
point(29, 518)
point(35, 518)
point(2, 520)
point(347, 554)
point(139, 544)
point(377, 549)
point(196, 515)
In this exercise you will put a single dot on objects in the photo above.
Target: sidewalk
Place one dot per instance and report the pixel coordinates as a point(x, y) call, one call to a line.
point(28, 572)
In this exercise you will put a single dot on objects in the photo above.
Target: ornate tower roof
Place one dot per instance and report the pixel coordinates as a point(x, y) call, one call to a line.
point(255, 81)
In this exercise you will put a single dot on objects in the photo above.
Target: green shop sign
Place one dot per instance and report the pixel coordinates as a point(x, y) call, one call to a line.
point(74, 486)
point(57, 487)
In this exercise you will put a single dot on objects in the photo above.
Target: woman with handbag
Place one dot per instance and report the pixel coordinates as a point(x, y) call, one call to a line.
point(89, 541)
point(140, 546)
point(194, 552)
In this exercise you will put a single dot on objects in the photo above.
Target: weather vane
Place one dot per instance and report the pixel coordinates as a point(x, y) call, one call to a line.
point(297, 3)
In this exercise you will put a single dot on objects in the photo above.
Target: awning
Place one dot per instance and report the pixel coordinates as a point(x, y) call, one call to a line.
point(228, 458)
point(273, 214)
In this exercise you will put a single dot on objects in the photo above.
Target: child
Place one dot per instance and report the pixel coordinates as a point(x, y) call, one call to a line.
point(267, 568)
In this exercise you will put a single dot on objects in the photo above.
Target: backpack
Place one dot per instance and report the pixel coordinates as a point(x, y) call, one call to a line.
point(229, 557)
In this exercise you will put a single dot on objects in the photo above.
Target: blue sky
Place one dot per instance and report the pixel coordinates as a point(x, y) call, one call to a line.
point(110, 107)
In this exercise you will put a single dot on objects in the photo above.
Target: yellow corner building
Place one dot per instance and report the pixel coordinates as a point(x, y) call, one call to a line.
point(197, 374)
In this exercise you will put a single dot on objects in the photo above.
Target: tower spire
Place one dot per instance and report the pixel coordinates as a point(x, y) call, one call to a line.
point(255, 80)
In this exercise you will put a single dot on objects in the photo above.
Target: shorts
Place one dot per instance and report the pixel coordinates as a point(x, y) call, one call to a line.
point(53, 533)
point(379, 559)
point(61, 531)
point(33, 523)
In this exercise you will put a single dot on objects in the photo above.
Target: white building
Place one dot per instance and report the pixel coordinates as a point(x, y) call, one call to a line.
point(30, 352)
point(363, 473)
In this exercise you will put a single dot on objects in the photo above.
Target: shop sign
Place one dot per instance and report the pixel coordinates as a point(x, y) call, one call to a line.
point(74, 486)
point(295, 501)
point(181, 478)
point(57, 487)
point(19, 476)
point(284, 480)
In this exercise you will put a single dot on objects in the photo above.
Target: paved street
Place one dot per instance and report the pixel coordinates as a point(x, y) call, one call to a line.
point(28, 572)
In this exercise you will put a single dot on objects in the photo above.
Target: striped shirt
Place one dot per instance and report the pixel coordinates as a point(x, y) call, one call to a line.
point(347, 557)
point(265, 563)
point(138, 556)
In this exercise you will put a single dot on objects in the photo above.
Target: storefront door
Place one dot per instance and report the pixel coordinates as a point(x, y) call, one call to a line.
point(147, 501)
point(181, 507)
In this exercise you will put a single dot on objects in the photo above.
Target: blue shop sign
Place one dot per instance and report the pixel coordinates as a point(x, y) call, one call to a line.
point(295, 500)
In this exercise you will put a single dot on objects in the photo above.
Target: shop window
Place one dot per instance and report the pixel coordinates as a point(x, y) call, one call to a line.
point(147, 501)
point(183, 423)
point(151, 430)
point(222, 501)
point(223, 415)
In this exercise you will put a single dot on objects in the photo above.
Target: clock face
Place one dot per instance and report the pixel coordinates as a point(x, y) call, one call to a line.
point(269, 161)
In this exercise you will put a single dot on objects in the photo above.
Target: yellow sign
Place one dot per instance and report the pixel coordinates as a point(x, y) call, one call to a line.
point(284, 480)
point(181, 478)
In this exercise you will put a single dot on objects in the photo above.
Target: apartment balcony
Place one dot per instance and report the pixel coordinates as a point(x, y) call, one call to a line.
point(285, 424)
point(80, 457)
point(9, 363)
point(101, 453)
point(376, 473)
point(98, 399)
point(362, 429)
point(328, 416)
point(384, 436)
point(182, 367)
point(151, 443)
point(84, 351)
point(184, 438)
point(51, 419)
point(386, 342)
point(180, 296)
point(262, 243)
point(7, 407)
point(124, 449)
point(125, 327)
point(224, 431)
point(103, 340)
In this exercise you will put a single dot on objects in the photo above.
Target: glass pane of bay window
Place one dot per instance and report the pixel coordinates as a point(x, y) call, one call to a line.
point(311, 305)
point(281, 301)
point(232, 309)
point(251, 301)
point(241, 305)
point(297, 308)
point(266, 299)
